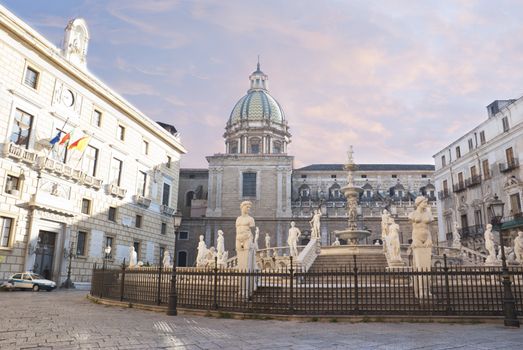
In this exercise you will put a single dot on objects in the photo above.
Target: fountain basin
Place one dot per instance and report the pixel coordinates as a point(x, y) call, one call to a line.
point(353, 237)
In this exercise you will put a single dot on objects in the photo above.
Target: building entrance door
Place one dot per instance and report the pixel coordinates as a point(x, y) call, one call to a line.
point(45, 249)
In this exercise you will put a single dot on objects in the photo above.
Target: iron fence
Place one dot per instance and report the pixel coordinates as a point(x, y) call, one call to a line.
point(351, 290)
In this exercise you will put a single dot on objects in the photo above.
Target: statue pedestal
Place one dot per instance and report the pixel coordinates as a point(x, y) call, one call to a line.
point(492, 261)
point(422, 261)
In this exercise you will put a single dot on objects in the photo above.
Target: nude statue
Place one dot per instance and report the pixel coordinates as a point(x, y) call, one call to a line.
point(166, 260)
point(385, 216)
point(393, 240)
point(518, 247)
point(489, 244)
point(315, 224)
point(456, 236)
point(220, 244)
point(244, 223)
point(255, 240)
point(133, 257)
point(267, 241)
point(336, 243)
point(421, 217)
point(292, 239)
point(202, 252)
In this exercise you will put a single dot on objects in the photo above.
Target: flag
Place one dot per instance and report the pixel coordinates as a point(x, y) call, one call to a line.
point(56, 138)
point(66, 137)
point(80, 144)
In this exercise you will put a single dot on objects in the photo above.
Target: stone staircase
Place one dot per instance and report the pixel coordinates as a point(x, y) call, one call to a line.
point(374, 260)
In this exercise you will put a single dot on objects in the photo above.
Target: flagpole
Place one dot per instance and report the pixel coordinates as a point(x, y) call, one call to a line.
point(60, 131)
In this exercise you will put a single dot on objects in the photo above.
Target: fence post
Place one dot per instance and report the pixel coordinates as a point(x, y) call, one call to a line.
point(291, 301)
point(122, 283)
point(159, 285)
point(447, 287)
point(103, 281)
point(356, 296)
point(215, 292)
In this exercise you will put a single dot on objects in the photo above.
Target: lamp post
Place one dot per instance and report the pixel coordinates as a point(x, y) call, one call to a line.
point(107, 256)
point(68, 284)
point(509, 304)
point(173, 294)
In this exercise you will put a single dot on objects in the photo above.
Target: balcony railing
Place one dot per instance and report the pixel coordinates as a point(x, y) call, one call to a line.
point(471, 231)
point(20, 153)
point(508, 166)
point(141, 200)
point(473, 181)
point(165, 209)
point(513, 221)
point(443, 194)
point(116, 190)
point(460, 186)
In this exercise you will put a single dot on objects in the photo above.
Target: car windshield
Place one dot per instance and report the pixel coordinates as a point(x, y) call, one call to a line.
point(36, 276)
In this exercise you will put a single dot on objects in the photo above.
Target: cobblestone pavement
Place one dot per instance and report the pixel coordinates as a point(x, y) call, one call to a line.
point(67, 320)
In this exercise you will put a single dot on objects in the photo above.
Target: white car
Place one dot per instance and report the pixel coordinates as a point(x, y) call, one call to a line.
point(29, 280)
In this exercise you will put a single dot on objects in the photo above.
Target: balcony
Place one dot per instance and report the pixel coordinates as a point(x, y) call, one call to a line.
point(471, 231)
point(459, 187)
point(141, 200)
point(473, 181)
point(443, 194)
point(509, 166)
point(514, 221)
point(20, 153)
point(165, 209)
point(116, 191)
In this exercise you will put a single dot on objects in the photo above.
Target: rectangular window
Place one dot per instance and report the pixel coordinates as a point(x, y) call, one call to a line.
point(333, 176)
point(303, 176)
point(162, 253)
point(249, 184)
point(423, 176)
point(120, 133)
point(112, 214)
point(163, 229)
point(166, 195)
point(443, 161)
point(515, 204)
point(138, 221)
point(6, 230)
point(471, 145)
point(12, 184)
point(445, 186)
point(509, 152)
point(363, 176)
point(145, 147)
point(478, 220)
point(136, 246)
point(86, 206)
point(80, 243)
point(184, 235)
point(506, 127)
point(141, 183)
point(22, 125)
point(116, 171)
point(482, 138)
point(31, 77)
point(90, 160)
point(394, 176)
point(486, 169)
point(473, 171)
point(96, 118)
point(168, 162)
point(108, 243)
point(458, 152)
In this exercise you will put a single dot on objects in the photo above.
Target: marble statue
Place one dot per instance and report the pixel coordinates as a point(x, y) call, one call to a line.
point(275, 252)
point(518, 247)
point(336, 243)
point(509, 254)
point(255, 245)
point(385, 216)
point(244, 224)
point(393, 241)
point(133, 258)
point(456, 242)
point(166, 260)
point(267, 241)
point(292, 239)
point(220, 244)
point(202, 252)
point(421, 245)
point(209, 256)
point(352, 213)
point(315, 224)
point(490, 246)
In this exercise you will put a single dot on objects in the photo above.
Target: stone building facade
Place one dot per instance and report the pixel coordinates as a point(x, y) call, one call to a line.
point(481, 164)
point(257, 167)
point(118, 189)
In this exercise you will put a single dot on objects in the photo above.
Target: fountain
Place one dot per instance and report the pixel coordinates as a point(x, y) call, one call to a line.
point(352, 234)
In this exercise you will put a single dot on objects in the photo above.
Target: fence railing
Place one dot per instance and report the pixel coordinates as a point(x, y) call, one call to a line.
point(351, 290)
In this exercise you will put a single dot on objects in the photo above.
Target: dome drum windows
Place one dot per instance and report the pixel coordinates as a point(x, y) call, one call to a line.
point(255, 145)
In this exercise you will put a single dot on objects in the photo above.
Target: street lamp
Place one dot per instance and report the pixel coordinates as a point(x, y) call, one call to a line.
point(173, 294)
point(68, 284)
point(107, 256)
point(496, 208)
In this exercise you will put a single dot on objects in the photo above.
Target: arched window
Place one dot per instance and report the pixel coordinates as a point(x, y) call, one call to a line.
point(255, 145)
point(181, 259)
point(304, 192)
point(188, 198)
point(233, 147)
point(276, 147)
point(334, 192)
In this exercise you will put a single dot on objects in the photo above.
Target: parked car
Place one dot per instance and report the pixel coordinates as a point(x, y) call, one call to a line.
point(29, 280)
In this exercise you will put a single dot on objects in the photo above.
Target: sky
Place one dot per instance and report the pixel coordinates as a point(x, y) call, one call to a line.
point(399, 80)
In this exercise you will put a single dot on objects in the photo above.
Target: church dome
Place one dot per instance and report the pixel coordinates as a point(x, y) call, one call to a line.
point(257, 104)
